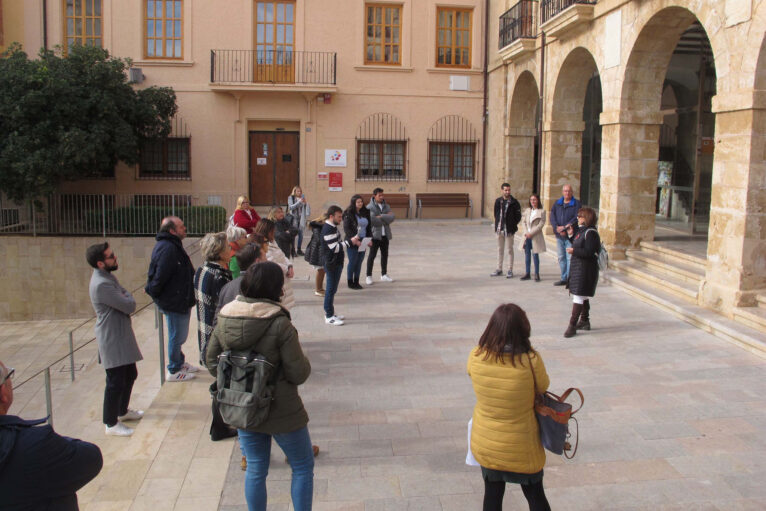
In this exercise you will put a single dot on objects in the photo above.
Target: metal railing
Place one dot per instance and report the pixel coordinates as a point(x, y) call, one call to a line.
point(90, 323)
point(115, 214)
point(517, 22)
point(272, 66)
point(550, 8)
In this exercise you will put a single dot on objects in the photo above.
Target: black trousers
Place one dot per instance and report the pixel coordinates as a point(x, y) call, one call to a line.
point(383, 245)
point(119, 385)
point(534, 493)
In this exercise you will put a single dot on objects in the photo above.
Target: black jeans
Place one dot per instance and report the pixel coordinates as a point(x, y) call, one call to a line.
point(534, 493)
point(383, 245)
point(119, 385)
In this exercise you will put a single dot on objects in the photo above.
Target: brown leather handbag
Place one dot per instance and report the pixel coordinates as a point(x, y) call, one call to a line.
point(553, 416)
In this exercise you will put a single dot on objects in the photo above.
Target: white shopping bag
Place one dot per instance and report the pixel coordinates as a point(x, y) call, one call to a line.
point(469, 459)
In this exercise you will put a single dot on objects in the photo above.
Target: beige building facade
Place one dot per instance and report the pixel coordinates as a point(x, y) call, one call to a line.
point(653, 111)
point(346, 95)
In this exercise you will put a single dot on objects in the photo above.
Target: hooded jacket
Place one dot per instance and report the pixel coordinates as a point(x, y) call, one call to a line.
point(41, 470)
point(170, 281)
point(312, 255)
point(264, 326)
point(512, 215)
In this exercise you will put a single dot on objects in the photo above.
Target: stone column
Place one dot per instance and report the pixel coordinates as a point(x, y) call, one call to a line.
point(736, 248)
point(629, 152)
point(521, 157)
point(562, 159)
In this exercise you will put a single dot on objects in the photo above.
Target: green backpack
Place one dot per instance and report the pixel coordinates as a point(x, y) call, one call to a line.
point(245, 388)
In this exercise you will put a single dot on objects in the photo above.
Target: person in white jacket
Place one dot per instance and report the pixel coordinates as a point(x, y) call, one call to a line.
point(266, 228)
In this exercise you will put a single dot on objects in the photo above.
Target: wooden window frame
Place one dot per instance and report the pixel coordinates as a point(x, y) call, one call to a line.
point(83, 18)
point(381, 176)
point(453, 32)
point(451, 168)
point(163, 20)
point(383, 44)
point(166, 175)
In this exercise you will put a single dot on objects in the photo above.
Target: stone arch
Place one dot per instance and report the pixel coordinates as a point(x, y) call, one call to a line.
point(564, 129)
point(522, 142)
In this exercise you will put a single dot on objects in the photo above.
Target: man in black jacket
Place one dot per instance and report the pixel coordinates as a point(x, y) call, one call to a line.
point(171, 285)
point(507, 218)
point(40, 469)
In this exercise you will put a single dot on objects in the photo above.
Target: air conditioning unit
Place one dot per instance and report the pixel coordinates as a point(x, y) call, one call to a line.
point(135, 75)
point(457, 82)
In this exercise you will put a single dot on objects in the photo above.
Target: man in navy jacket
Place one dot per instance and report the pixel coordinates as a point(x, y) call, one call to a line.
point(40, 469)
point(564, 214)
point(171, 285)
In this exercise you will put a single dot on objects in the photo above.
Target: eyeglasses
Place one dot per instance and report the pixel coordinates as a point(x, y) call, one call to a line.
point(8, 376)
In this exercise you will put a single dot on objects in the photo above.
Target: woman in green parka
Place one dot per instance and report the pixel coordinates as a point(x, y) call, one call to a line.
point(256, 321)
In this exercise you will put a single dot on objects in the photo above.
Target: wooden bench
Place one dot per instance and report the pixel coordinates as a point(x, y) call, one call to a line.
point(443, 200)
point(395, 200)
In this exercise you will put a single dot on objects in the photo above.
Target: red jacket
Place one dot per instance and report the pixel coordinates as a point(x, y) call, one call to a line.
point(246, 218)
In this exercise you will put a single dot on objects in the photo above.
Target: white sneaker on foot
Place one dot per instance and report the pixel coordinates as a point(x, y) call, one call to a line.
point(179, 376)
point(368, 280)
point(132, 415)
point(333, 320)
point(188, 368)
point(386, 278)
point(119, 429)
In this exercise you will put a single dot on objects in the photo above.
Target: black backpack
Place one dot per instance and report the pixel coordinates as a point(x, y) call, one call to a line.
point(245, 388)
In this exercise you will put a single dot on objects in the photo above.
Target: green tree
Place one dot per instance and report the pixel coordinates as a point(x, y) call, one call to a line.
point(72, 117)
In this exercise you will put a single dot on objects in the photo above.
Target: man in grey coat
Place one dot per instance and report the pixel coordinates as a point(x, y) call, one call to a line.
point(381, 218)
point(117, 346)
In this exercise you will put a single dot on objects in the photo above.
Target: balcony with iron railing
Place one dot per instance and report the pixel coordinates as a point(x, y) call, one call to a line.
point(560, 16)
point(273, 70)
point(518, 22)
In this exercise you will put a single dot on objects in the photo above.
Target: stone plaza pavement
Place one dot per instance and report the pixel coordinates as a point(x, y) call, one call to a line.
point(673, 417)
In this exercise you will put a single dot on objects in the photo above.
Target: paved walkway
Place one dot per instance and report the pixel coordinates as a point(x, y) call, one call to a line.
point(674, 417)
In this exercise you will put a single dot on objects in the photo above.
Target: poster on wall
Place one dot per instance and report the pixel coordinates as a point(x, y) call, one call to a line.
point(334, 157)
point(322, 175)
point(336, 182)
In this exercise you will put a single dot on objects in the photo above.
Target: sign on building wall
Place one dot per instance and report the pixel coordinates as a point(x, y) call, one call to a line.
point(334, 157)
point(322, 175)
point(336, 182)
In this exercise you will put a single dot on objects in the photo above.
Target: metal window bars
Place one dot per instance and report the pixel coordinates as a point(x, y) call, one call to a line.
point(517, 22)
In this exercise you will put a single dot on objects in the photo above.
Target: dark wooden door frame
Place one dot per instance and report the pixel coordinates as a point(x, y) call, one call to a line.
point(273, 144)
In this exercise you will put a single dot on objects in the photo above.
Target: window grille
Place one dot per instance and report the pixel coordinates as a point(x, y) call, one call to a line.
point(381, 143)
point(167, 158)
point(452, 150)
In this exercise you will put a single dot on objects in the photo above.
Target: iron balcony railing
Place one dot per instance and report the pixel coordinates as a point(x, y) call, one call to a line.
point(272, 66)
point(517, 22)
point(550, 8)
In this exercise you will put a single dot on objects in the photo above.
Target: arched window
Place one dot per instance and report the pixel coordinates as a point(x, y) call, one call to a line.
point(381, 149)
point(452, 145)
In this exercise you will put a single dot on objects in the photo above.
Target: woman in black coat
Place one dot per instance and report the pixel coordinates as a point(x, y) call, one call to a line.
point(312, 252)
point(583, 269)
point(356, 224)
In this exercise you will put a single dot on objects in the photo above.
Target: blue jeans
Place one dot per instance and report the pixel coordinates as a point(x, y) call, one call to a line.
point(300, 239)
point(297, 447)
point(332, 274)
point(178, 331)
point(529, 255)
point(562, 245)
point(354, 268)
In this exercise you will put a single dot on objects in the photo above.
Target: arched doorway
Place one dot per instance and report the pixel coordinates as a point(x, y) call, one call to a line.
point(685, 166)
point(523, 138)
point(590, 168)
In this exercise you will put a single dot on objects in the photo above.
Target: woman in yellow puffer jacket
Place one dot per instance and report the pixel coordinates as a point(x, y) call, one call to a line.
point(505, 438)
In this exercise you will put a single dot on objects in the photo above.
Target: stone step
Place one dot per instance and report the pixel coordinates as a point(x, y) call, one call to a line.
point(710, 321)
point(669, 255)
point(669, 284)
point(761, 299)
point(678, 268)
point(753, 317)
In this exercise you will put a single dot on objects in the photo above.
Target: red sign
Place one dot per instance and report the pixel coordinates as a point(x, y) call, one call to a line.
point(336, 182)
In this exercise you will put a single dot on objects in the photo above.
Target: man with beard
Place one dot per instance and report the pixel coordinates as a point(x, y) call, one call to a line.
point(117, 346)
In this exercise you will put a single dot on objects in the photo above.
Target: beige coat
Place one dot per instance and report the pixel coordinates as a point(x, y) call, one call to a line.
point(275, 255)
point(538, 240)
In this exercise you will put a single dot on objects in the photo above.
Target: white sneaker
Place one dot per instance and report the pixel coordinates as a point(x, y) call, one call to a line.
point(119, 429)
point(334, 320)
point(338, 316)
point(179, 376)
point(188, 368)
point(132, 415)
point(368, 281)
point(386, 278)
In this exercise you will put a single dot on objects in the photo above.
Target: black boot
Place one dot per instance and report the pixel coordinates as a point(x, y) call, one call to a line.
point(525, 277)
point(350, 283)
point(576, 311)
point(357, 285)
point(584, 323)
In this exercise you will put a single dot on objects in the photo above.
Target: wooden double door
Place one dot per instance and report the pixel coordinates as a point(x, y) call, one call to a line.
point(274, 166)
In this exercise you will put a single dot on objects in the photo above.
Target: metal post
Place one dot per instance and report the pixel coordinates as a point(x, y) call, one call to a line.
point(173, 205)
point(103, 214)
point(34, 219)
point(48, 401)
point(212, 66)
point(161, 328)
point(71, 355)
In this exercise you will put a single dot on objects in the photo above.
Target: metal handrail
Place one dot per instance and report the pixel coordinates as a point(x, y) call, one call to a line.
point(273, 67)
point(520, 21)
point(551, 8)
